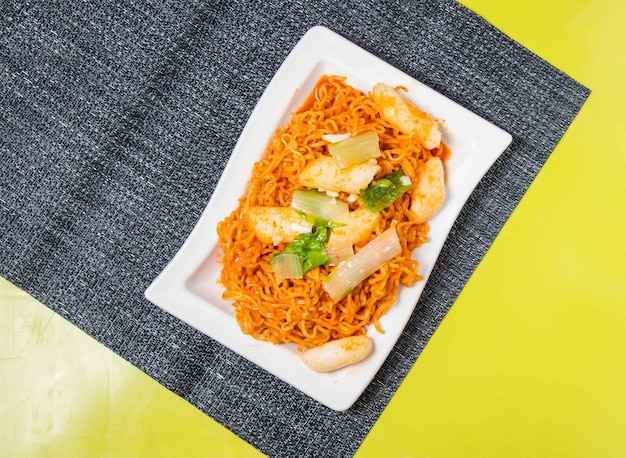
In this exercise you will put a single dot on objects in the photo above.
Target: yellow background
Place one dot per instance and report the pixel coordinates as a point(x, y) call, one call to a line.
point(530, 361)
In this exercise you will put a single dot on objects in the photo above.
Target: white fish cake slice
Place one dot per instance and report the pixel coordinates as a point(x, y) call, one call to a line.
point(409, 119)
point(324, 173)
point(338, 353)
point(276, 224)
point(429, 191)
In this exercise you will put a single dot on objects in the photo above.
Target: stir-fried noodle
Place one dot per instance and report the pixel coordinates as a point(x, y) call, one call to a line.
point(299, 310)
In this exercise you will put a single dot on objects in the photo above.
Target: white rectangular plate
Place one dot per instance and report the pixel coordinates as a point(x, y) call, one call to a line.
point(187, 287)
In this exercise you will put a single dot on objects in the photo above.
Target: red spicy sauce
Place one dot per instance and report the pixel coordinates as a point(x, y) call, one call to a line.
point(314, 96)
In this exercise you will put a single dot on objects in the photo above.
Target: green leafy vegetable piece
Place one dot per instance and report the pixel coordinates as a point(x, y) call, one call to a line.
point(385, 191)
point(286, 265)
point(355, 150)
point(319, 209)
point(310, 248)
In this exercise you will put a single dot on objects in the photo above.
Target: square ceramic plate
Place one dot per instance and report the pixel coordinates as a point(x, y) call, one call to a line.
point(187, 287)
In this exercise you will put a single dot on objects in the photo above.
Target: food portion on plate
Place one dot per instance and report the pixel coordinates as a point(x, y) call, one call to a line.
point(322, 240)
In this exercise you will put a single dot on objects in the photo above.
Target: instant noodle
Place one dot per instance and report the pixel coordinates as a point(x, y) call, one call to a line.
point(300, 310)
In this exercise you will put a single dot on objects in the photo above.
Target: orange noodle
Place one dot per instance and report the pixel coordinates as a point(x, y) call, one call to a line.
point(299, 310)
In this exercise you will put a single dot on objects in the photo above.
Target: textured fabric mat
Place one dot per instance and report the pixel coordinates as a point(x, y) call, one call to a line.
point(118, 118)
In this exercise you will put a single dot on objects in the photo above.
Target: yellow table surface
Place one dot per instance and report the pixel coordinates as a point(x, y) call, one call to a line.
point(530, 361)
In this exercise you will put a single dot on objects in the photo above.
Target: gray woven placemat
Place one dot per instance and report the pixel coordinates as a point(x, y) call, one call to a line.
point(117, 119)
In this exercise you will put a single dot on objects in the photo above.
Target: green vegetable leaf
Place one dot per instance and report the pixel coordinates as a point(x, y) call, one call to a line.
point(316, 221)
point(286, 265)
point(318, 208)
point(355, 150)
point(385, 191)
point(310, 247)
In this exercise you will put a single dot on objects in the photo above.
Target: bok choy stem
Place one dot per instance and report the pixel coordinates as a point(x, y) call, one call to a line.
point(368, 260)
